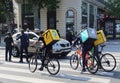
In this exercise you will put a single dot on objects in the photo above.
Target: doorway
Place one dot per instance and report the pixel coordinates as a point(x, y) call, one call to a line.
point(51, 20)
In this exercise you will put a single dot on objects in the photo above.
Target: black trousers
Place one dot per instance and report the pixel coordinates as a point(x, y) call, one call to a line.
point(8, 49)
point(26, 52)
point(85, 50)
point(47, 54)
point(96, 55)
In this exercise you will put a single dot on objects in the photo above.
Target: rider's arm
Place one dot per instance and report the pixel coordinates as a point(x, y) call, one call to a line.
point(33, 44)
point(40, 41)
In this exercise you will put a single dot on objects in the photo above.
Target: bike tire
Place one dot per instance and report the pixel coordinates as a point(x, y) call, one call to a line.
point(33, 63)
point(92, 65)
point(74, 61)
point(53, 66)
point(108, 62)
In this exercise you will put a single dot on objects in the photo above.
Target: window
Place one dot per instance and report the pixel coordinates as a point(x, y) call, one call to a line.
point(27, 8)
point(91, 16)
point(31, 36)
point(84, 8)
point(70, 19)
point(84, 13)
point(70, 14)
point(18, 35)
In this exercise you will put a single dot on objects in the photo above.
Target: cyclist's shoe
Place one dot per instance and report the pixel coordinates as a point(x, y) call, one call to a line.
point(21, 61)
point(41, 68)
point(99, 67)
point(83, 70)
point(27, 61)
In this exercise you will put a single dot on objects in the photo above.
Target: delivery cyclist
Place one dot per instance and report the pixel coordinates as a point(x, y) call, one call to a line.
point(86, 46)
point(47, 48)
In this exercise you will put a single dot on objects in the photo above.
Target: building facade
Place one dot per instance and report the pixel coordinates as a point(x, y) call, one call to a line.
point(70, 14)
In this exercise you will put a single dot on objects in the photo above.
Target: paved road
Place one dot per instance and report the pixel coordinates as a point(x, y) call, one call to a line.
point(14, 72)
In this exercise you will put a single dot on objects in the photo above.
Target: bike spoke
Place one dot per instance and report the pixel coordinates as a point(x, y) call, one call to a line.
point(53, 66)
point(108, 62)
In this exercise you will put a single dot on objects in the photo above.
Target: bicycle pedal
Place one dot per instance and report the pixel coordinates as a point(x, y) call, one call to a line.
point(46, 66)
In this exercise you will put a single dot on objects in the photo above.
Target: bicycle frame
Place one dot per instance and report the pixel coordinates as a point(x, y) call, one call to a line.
point(79, 52)
point(52, 68)
point(76, 59)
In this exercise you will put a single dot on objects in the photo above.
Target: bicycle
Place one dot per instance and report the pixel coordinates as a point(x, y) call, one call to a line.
point(107, 60)
point(51, 64)
point(76, 59)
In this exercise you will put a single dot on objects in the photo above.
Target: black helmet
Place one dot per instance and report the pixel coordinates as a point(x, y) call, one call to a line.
point(8, 33)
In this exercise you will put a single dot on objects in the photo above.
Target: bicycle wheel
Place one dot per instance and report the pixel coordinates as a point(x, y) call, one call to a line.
point(74, 61)
point(53, 66)
point(33, 63)
point(92, 65)
point(108, 62)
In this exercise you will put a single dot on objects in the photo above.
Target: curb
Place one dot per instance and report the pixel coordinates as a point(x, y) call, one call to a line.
point(2, 48)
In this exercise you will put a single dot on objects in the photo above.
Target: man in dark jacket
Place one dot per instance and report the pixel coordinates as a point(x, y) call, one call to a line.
point(47, 48)
point(8, 46)
point(24, 45)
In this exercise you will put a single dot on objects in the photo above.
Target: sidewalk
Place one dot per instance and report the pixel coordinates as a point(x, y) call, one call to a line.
point(2, 44)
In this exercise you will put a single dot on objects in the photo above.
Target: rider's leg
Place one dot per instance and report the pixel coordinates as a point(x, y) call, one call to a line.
point(43, 60)
point(83, 58)
point(97, 56)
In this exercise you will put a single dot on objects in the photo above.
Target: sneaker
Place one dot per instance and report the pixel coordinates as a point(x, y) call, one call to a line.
point(10, 60)
point(21, 61)
point(41, 68)
point(99, 67)
point(27, 61)
point(83, 70)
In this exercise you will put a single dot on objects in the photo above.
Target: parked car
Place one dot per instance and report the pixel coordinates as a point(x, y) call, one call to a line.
point(60, 48)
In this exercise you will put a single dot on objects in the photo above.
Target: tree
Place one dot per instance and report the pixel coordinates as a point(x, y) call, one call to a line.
point(51, 5)
point(6, 12)
point(113, 8)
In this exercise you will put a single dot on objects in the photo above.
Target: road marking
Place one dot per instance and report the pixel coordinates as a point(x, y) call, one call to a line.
point(27, 79)
point(66, 67)
point(67, 76)
point(16, 64)
point(84, 78)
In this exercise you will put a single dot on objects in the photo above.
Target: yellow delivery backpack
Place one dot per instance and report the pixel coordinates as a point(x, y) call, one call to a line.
point(51, 36)
point(100, 38)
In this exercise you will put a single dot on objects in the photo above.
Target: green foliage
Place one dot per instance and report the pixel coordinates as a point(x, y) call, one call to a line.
point(4, 13)
point(2, 17)
point(50, 4)
point(113, 7)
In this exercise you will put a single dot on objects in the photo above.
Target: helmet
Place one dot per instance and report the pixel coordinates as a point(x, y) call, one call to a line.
point(8, 33)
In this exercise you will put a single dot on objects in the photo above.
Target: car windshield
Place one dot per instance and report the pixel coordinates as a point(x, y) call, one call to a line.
point(18, 35)
point(31, 36)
